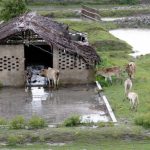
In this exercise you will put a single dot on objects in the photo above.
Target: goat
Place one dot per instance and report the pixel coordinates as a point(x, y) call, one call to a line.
point(109, 72)
point(51, 74)
point(134, 101)
point(131, 69)
point(127, 86)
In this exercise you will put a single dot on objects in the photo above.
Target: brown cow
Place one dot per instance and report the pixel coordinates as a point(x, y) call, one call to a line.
point(51, 74)
point(130, 69)
point(109, 72)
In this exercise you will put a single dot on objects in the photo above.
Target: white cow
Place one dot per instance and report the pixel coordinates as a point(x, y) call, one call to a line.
point(127, 86)
point(133, 98)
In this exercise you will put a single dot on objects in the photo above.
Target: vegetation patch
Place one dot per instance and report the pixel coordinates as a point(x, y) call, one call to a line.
point(18, 123)
point(36, 122)
point(143, 120)
point(60, 14)
point(72, 121)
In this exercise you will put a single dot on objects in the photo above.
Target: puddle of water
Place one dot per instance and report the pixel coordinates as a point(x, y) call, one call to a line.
point(111, 19)
point(95, 118)
point(137, 38)
point(56, 144)
point(54, 106)
point(70, 19)
point(39, 94)
point(103, 19)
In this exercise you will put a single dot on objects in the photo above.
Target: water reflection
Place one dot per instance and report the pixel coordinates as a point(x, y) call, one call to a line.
point(137, 38)
point(101, 117)
point(54, 106)
point(39, 94)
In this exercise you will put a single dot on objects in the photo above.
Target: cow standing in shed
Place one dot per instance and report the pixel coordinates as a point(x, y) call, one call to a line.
point(51, 74)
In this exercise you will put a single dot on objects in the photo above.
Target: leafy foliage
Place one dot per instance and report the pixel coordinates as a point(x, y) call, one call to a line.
point(36, 122)
point(3, 121)
point(12, 8)
point(72, 121)
point(17, 123)
point(12, 140)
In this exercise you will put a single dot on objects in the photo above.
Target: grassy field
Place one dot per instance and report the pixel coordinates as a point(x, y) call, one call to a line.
point(125, 135)
point(120, 137)
point(72, 11)
point(115, 53)
point(102, 145)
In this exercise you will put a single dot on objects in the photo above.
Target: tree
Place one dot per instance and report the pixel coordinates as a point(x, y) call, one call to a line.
point(12, 8)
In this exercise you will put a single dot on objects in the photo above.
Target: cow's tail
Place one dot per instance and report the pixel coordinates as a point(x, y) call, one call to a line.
point(57, 78)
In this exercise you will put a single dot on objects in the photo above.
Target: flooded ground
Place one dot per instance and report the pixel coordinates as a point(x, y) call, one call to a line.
point(53, 106)
point(137, 38)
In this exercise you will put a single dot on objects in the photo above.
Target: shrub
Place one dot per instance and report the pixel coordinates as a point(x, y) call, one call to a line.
point(143, 120)
point(105, 124)
point(36, 122)
point(3, 121)
point(72, 121)
point(12, 140)
point(18, 123)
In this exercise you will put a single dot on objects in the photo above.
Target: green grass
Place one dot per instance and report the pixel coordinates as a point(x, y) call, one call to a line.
point(74, 138)
point(122, 12)
point(70, 10)
point(104, 145)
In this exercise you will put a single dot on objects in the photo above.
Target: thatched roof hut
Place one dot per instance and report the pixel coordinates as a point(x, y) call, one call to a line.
point(50, 31)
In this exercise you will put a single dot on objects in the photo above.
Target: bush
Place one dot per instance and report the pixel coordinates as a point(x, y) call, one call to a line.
point(18, 123)
point(12, 140)
point(72, 121)
point(3, 121)
point(105, 124)
point(36, 122)
point(143, 120)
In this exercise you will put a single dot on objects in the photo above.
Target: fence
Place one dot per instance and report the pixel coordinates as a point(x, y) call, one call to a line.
point(90, 13)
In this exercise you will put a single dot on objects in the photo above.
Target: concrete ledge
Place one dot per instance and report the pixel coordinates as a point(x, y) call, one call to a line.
point(107, 103)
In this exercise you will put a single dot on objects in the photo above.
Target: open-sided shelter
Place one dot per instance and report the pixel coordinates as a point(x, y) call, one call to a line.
point(32, 39)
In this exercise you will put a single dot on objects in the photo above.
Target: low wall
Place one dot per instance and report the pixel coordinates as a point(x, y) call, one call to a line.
point(72, 70)
point(12, 65)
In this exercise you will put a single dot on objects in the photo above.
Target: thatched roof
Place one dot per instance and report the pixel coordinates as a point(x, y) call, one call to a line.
point(50, 31)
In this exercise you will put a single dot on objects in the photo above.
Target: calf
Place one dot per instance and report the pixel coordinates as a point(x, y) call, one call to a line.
point(130, 69)
point(109, 72)
point(51, 74)
point(134, 101)
point(127, 86)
